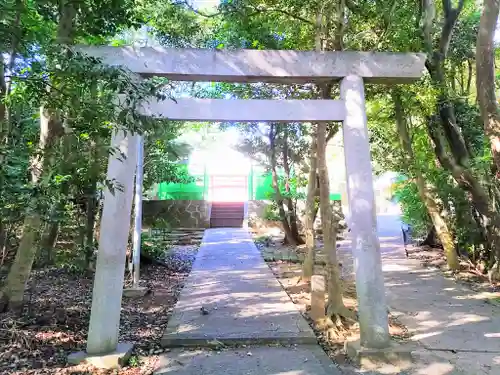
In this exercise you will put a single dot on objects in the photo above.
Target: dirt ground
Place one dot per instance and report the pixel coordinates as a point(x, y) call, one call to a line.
point(286, 262)
point(55, 320)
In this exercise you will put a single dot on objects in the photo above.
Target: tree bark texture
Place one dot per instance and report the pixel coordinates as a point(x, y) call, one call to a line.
point(275, 181)
point(485, 76)
point(308, 266)
point(329, 225)
point(292, 215)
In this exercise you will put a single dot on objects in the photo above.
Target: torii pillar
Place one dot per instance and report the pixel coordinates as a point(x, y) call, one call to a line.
point(365, 245)
point(352, 68)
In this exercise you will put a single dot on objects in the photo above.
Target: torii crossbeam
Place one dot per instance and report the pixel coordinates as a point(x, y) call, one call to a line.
point(352, 69)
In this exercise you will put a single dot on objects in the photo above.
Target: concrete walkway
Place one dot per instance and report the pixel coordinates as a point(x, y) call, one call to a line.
point(450, 322)
point(245, 305)
point(455, 329)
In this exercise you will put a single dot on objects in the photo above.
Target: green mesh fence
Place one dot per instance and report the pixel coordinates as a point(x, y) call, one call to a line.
point(259, 188)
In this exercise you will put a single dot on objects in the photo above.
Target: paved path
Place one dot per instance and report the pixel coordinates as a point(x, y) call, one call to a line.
point(246, 305)
point(457, 332)
point(447, 319)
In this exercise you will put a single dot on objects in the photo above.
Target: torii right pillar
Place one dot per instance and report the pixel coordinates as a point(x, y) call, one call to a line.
point(372, 308)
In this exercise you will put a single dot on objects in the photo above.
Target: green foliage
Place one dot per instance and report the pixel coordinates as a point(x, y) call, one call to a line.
point(414, 210)
point(134, 361)
point(154, 246)
point(271, 212)
point(80, 97)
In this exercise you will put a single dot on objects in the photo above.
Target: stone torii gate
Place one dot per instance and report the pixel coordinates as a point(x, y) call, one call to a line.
point(352, 69)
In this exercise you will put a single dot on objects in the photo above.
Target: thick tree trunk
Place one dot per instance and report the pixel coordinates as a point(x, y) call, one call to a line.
point(311, 212)
point(329, 224)
point(50, 131)
point(485, 76)
point(426, 194)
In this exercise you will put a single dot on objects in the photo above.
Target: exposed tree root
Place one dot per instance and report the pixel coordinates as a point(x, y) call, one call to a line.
point(338, 325)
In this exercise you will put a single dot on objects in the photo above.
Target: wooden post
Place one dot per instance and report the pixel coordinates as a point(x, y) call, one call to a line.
point(317, 297)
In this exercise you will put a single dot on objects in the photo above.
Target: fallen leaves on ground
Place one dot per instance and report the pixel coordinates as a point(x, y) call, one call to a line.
point(331, 335)
point(55, 320)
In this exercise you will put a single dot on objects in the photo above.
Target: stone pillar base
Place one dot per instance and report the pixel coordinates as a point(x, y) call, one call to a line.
point(116, 359)
point(397, 355)
point(135, 292)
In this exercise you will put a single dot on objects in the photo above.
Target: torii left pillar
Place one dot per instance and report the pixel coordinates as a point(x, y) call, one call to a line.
point(103, 349)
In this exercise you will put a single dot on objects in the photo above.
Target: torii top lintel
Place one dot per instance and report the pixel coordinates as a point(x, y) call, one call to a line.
point(273, 66)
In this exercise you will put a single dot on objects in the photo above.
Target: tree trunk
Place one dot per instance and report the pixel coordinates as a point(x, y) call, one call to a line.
point(289, 239)
point(469, 79)
point(5, 87)
point(17, 279)
point(292, 215)
point(89, 225)
point(485, 76)
point(330, 225)
point(426, 194)
point(48, 242)
point(449, 145)
point(442, 230)
point(308, 266)
point(50, 131)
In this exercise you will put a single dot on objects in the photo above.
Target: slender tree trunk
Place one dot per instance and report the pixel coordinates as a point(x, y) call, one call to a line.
point(5, 87)
point(3, 106)
point(275, 181)
point(469, 78)
point(308, 266)
point(292, 215)
point(330, 225)
point(426, 194)
point(442, 230)
point(90, 224)
point(485, 76)
point(4, 243)
point(3, 232)
point(50, 131)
